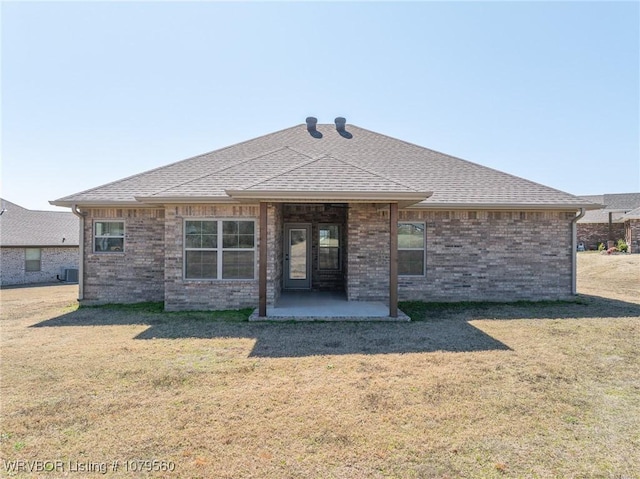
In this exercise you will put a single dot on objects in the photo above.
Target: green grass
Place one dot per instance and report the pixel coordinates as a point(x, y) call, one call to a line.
point(421, 311)
point(158, 308)
point(416, 310)
point(144, 307)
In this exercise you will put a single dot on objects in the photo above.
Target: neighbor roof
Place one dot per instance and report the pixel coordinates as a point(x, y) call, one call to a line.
point(22, 227)
point(295, 164)
point(618, 204)
point(633, 214)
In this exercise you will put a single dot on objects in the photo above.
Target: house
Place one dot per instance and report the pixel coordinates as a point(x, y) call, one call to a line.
point(632, 230)
point(616, 219)
point(329, 207)
point(37, 246)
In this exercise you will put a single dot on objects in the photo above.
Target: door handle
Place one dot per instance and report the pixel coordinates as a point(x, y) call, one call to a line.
point(286, 257)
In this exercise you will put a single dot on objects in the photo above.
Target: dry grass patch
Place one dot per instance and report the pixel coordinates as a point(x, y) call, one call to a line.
point(524, 390)
point(613, 276)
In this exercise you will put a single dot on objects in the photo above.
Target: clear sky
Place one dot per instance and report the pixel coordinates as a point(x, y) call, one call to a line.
point(94, 92)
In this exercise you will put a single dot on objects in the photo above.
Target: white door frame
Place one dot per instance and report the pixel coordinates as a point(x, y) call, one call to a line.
point(302, 277)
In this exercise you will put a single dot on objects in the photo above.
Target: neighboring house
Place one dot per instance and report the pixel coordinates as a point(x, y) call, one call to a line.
point(324, 207)
point(37, 246)
point(616, 219)
point(632, 230)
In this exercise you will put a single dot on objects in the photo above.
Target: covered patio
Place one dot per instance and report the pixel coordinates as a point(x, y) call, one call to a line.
point(326, 306)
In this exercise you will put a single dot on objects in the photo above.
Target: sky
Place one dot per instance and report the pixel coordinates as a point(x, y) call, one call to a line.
point(93, 92)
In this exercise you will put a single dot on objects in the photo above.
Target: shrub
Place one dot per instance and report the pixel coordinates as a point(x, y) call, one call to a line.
point(601, 247)
point(622, 246)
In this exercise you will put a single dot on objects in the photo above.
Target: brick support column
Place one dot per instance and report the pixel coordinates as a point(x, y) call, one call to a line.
point(393, 260)
point(262, 273)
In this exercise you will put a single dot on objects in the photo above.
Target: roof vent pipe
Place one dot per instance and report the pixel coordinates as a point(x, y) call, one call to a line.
point(311, 123)
point(340, 123)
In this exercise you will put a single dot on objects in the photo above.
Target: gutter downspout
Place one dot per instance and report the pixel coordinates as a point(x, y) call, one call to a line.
point(574, 254)
point(74, 210)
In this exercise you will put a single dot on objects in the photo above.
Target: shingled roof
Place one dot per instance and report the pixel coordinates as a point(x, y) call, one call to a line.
point(325, 163)
point(22, 227)
point(618, 204)
point(633, 214)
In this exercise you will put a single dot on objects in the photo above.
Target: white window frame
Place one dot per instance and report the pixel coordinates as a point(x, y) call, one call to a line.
point(218, 249)
point(423, 249)
point(95, 236)
point(339, 247)
point(39, 250)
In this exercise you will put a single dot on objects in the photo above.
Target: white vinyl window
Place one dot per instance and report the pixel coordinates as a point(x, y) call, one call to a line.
point(328, 247)
point(219, 249)
point(108, 236)
point(411, 249)
point(32, 257)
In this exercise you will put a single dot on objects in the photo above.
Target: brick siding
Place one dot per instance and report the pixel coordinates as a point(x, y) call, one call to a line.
point(53, 262)
point(632, 235)
point(470, 255)
point(492, 255)
point(367, 253)
point(134, 275)
point(187, 294)
point(274, 252)
point(592, 234)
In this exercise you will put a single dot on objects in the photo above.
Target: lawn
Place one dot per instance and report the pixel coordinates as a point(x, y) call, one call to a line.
point(526, 390)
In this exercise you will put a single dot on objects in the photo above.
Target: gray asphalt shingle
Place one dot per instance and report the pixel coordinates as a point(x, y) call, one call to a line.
point(22, 227)
point(358, 161)
point(620, 205)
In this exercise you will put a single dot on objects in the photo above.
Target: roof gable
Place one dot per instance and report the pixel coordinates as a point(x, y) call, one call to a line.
point(238, 174)
point(633, 214)
point(329, 174)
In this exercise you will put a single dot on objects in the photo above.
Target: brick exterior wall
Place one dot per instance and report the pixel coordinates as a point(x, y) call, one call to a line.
point(275, 224)
point(367, 253)
point(470, 256)
point(592, 234)
point(186, 294)
point(134, 275)
point(632, 235)
point(53, 262)
point(492, 256)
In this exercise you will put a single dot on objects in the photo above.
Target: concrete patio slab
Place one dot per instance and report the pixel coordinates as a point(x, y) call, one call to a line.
point(326, 306)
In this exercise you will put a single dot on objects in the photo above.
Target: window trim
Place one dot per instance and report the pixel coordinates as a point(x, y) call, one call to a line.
point(95, 236)
point(219, 249)
point(39, 250)
point(339, 248)
point(423, 249)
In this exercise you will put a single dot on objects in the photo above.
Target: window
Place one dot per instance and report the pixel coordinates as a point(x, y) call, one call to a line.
point(329, 247)
point(108, 237)
point(32, 259)
point(411, 249)
point(219, 249)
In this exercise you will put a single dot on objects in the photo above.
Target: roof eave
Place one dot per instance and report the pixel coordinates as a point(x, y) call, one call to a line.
point(96, 203)
point(404, 198)
point(504, 206)
point(162, 200)
point(40, 245)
